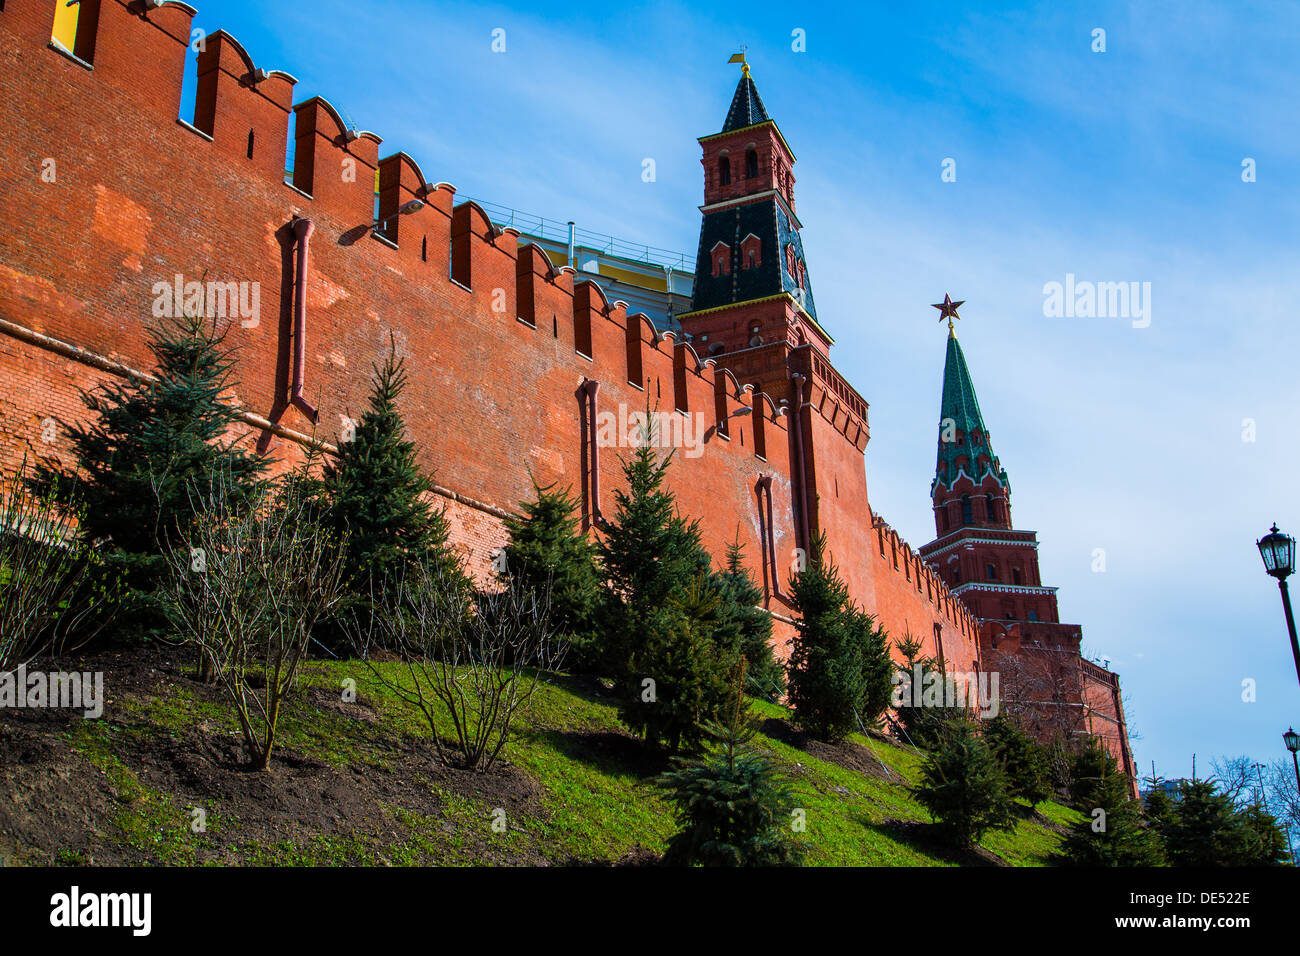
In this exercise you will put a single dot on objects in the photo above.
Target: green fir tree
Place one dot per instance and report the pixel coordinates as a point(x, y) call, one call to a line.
point(548, 553)
point(1266, 843)
point(1207, 830)
point(1089, 766)
point(925, 720)
point(1113, 831)
point(733, 806)
point(839, 675)
point(1158, 807)
point(152, 453)
point(376, 494)
point(965, 790)
point(1021, 758)
point(744, 625)
point(660, 614)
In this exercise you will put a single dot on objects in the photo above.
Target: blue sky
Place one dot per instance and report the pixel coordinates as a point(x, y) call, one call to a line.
point(1122, 166)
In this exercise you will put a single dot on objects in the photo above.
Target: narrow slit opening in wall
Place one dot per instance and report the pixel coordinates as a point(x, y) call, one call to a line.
point(292, 148)
point(189, 86)
point(555, 327)
point(252, 140)
point(424, 249)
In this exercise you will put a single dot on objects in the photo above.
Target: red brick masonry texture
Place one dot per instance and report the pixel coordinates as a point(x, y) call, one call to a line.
point(105, 197)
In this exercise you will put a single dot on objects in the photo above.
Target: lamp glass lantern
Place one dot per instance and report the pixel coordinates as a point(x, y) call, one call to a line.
point(1278, 551)
point(1292, 740)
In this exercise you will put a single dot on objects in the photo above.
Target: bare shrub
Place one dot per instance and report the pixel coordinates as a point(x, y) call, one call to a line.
point(247, 591)
point(477, 658)
point(51, 590)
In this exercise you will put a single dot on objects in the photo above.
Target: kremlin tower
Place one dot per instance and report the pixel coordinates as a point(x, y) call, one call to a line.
point(993, 568)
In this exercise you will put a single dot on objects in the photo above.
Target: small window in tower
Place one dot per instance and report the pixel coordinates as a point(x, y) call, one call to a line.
point(751, 163)
point(721, 259)
point(991, 571)
point(956, 573)
point(1015, 575)
point(724, 171)
point(967, 517)
point(1033, 615)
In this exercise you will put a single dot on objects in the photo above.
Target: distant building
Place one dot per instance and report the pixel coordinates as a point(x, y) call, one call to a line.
point(655, 281)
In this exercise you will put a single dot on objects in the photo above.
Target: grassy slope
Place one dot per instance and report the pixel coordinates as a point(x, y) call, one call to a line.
point(592, 802)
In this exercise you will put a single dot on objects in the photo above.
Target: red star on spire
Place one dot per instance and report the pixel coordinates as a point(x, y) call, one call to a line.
point(948, 309)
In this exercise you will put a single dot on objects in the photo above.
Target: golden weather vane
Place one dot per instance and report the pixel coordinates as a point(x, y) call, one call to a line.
point(740, 58)
point(948, 310)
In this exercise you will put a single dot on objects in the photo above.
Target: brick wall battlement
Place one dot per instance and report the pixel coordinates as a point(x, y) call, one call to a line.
point(107, 198)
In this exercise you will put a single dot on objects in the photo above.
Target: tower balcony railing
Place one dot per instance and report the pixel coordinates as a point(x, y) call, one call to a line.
point(553, 230)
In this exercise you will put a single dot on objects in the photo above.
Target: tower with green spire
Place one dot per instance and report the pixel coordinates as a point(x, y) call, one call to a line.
point(989, 564)
point(966, 451)
point(992, 567)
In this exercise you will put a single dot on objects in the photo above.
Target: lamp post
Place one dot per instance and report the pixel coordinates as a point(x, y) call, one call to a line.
point(1292, 741)
point(1278, 551)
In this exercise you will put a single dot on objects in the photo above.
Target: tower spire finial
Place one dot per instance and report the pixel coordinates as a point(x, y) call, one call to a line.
point(948, 310)
point(740, 58)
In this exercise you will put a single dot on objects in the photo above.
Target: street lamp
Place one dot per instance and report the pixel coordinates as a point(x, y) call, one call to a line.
point(1278, 551)
point(1292, 741)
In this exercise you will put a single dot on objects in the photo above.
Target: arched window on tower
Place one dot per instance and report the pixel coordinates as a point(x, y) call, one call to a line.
point(967, 517)
point(751, 163)
point(724, 170)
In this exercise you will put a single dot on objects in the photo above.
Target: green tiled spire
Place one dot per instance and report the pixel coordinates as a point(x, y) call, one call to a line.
point(963, 409)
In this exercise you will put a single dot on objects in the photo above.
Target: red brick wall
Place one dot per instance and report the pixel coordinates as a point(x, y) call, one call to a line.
point(139, 197)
